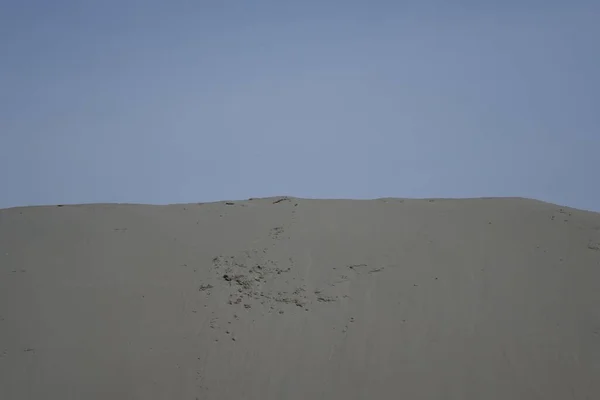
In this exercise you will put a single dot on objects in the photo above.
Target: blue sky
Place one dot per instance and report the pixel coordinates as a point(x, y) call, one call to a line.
point(188, 101)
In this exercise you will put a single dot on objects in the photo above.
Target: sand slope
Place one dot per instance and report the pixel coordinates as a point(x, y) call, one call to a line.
point(285, 298)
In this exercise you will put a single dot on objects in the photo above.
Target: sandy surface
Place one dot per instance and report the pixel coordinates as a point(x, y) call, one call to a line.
point(285, 298)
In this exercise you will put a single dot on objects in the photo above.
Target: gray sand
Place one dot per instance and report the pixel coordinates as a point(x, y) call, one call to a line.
point(286, 298)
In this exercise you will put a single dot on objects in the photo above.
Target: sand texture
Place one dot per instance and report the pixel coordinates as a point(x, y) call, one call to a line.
point(286, 298)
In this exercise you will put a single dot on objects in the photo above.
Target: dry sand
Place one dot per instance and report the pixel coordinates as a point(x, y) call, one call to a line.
point(285, 298)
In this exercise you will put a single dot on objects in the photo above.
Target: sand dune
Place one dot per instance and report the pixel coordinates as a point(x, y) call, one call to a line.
point(286, 298)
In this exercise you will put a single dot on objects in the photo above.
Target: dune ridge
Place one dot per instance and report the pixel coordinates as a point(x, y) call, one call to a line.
point(291, 298)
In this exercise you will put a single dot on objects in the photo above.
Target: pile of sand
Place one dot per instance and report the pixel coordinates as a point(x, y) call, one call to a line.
point(286, 298)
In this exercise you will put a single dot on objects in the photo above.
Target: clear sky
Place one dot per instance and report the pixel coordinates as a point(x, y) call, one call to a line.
point(188, 101)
